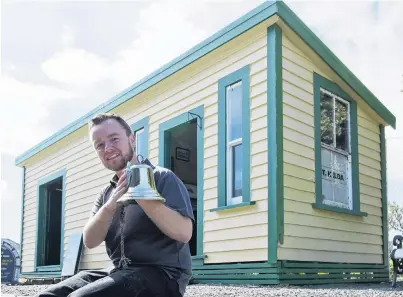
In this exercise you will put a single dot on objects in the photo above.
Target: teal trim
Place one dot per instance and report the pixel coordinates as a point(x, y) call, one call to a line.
point(164, 160)
point(199, 257)
point(143, 123)
point(40, 215)
point(48, 268)
point(236, 28)
point(322, 82)
point(295, 23)
point(241, 74)
point(22, 212)
point(339, 209)
point(309, 273)
point(275, 141)
point(41, 275)
point(384, 193)
point(233, 206)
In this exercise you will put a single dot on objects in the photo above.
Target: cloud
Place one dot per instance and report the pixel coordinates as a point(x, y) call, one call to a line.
point(156, 41)
point(163, 32)
point(3, 188)
point(24, 109)
point(68, 36)
point(76, 66)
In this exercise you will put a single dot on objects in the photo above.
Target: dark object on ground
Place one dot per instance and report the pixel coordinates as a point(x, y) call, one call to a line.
point(397, 258)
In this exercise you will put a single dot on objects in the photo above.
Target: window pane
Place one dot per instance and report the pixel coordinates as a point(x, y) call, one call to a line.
point(140, 143)
point(335, 187)
point(234, 111)
point(341, 125)
point(237, 170)
point(326, 118)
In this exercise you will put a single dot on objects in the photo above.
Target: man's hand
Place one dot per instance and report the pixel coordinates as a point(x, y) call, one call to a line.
point(118, 192)
point(97, 226)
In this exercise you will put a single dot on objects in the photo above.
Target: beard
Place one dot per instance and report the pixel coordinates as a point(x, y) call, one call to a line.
point(121, 163)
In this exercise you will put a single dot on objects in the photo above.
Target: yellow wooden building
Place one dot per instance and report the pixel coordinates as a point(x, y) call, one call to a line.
point(281, 147)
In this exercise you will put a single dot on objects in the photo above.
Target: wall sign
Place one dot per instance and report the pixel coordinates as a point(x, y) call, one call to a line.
point(333, 175)
point(182, 154)
point(10, 262)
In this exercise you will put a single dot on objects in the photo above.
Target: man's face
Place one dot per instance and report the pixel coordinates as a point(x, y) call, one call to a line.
point(113, 146)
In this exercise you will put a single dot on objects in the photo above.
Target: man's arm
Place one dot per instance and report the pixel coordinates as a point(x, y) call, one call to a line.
point(95, 230)
point(97, 227)
point(173, 218)
point(169, 221)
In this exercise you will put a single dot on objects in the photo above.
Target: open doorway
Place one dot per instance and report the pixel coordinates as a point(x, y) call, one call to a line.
point(182, 152)
point(49, 241)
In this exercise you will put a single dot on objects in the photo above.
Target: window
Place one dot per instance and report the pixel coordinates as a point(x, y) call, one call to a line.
point(336, 149)
point(50, 223)
point(234, 143)
point(140, 130)
point(234, 140)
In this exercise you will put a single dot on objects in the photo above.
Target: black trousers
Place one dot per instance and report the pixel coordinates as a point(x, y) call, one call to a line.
point(132, 282)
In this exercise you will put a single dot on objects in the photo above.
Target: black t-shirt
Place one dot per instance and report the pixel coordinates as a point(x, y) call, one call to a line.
point(144, 243)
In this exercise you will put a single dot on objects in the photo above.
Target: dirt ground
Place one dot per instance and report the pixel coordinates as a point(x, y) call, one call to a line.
point(381, 290)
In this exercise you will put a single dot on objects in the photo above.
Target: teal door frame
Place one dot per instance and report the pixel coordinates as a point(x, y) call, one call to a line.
point(164, 160)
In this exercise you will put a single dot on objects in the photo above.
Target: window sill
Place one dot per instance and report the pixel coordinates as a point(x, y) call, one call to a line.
point(39, 274)
point(338, 209)
point(233, 206)
point(48, 268)
point(199, 257)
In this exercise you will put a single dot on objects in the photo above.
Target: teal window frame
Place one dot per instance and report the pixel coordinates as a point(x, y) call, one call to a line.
point(137, 126)
point(240, 75)
point(40, 215)
point(322, 82)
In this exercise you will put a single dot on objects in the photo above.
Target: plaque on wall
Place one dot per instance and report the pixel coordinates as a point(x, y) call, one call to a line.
point(182, 154)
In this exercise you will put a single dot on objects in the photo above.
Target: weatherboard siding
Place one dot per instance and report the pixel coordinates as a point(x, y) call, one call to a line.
point(315, 235)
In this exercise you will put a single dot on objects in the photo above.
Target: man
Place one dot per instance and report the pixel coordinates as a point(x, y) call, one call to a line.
point(156, 234)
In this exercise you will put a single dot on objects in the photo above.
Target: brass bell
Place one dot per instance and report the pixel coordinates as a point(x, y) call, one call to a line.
point(140, 184)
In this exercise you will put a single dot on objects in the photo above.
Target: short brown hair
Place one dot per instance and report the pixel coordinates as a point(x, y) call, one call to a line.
point(100, 118)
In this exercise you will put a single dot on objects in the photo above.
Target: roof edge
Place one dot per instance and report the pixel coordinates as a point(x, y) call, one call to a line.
point(306, 34)
point(234, 29)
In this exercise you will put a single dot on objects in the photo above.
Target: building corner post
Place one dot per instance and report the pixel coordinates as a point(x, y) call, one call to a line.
point(384, 195)
point(22, 213)
point(275, 141)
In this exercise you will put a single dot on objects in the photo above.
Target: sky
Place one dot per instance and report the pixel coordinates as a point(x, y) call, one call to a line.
point(57, 53)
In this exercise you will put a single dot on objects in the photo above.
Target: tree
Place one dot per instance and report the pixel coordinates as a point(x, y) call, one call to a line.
point(395, 216)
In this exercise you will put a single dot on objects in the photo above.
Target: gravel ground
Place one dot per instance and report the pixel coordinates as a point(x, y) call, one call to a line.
point(248, 291)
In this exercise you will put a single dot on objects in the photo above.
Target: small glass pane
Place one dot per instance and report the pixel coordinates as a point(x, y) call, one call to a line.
point(326, 118)
point(140, 143)
point(335, 187)
point(237, 170)
point(234, 112)
point(341, 125)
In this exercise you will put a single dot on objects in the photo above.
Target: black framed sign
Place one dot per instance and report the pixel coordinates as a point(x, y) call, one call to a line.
point(182, 154)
